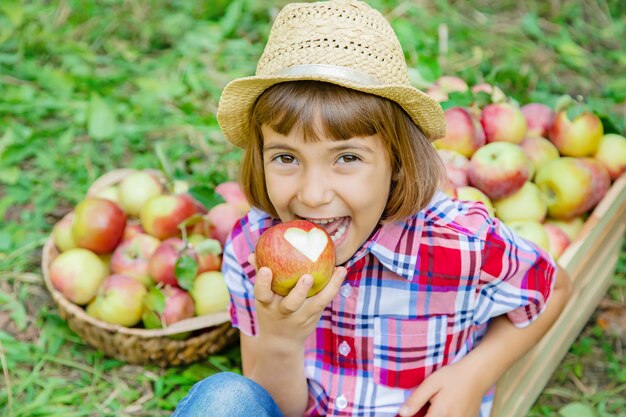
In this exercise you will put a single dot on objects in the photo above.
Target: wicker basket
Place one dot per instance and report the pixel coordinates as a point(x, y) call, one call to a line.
point(208, 334)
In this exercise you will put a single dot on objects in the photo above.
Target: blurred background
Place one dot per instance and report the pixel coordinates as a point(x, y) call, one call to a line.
point(91, 86)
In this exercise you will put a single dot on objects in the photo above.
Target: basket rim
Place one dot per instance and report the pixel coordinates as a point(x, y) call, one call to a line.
point(50, 252)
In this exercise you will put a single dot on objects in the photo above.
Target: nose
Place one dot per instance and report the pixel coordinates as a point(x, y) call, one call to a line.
point(316, 188)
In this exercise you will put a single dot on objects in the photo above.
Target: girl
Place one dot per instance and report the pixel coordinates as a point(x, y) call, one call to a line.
point(431, 300)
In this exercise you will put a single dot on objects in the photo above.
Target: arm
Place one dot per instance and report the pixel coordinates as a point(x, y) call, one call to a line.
point(456, 389)
point(284, 323)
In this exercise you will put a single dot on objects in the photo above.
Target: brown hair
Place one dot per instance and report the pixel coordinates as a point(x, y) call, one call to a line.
point(344, 114)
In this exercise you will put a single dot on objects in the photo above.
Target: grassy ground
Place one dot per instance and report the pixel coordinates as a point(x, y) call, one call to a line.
point(86, 87)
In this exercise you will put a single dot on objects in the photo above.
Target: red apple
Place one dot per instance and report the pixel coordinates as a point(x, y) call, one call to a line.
point(208, 251)
point(231, 193)
point(175, 305)
point(464, 133)
point(456, 166)
point(136, 189)
point(119, 301)
point(131, 257)
point(538, 117)
point(223, 217)
point(162, 263)
point(612, 153)
point(450, 84)
point(209, 293)
point(98, 224)
point(161, 215)
point(571, 227)
point(482, 88)
point(527, 203)
point(293, 249)
point(578, 137)
point(77, 274)
point(558, 240)
point(567, 186)
point(600, 179)
point(62, 233)
point(503, 122)
point(539, 150)
point(132, 229)
point(499, 169)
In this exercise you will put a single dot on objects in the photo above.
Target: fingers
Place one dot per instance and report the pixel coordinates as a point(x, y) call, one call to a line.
point(418, 399)
point(298, 294)
point(263, 286)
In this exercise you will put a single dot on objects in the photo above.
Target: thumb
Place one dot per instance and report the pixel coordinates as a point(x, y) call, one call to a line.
point(418, 399)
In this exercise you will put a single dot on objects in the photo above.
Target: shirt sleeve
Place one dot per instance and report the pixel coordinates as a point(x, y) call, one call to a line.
point(239, 275)
point(516, 278)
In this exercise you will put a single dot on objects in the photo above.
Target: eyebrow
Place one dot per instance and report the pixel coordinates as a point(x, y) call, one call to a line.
point(341, 146)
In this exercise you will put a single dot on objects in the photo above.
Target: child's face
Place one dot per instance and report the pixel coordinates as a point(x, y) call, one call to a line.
point(342, 185)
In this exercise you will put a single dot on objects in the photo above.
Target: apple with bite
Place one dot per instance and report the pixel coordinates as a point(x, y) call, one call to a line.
point(503, 122)
point(612, 153)
point(136, 189)
point(538, 117)
point(525, 204)
point(209, 293)
point(578, 137)
point(464, 133)
point(498, 169)
point(119, 301)
point(567, 187)
point(132, 256)
point(62, 233)
point(98, 225)
point(295, 248)
point(77, 273)
point(161, 215)
point(470, 193)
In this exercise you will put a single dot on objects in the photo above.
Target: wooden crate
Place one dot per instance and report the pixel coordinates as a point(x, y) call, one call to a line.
point(590, 261)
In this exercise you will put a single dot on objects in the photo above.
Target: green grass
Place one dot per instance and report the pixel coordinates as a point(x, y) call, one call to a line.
point(86, 87)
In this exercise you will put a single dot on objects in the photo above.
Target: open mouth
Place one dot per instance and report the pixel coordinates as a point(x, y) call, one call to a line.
point(336, 226)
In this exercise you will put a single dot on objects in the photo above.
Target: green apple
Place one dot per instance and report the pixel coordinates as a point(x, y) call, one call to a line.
point(571, 227)
point(119, 301)
point(578, 137)
point(474, 194)
point(136, 189)
point(525, 204)
point(77, 273)
point(612, 153)
point(532, 231)
point(539, 150)
point(209, 293)
point(62, 233)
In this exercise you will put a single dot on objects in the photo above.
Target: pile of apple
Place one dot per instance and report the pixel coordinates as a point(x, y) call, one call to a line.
point(540, 170)
point(138, 253)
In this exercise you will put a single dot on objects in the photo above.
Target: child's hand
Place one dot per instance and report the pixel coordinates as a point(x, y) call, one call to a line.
point(294, 316)
point(452, 391)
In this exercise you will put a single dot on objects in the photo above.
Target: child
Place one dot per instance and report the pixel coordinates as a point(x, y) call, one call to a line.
point(334, 133)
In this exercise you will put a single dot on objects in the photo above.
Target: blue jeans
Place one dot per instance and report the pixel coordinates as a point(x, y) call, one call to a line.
point(227, 394)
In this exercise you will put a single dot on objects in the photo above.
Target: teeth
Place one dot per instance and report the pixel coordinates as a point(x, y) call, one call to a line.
point(339, 232)
point(323, 221)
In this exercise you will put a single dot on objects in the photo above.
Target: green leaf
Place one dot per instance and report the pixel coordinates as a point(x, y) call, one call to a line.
point(208, 246)
point(14, 10)
point(576, 110)
point(186, 270)
point(206, 196)
point(155, 300)
point(10, 175)
point(150, 319)
point(577, 410)
point(102, 121)
point(232, 17)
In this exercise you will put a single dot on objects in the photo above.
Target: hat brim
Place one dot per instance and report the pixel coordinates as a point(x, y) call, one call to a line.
point(239, 96)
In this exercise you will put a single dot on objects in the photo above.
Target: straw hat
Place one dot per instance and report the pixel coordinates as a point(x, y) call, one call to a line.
point(347, 43)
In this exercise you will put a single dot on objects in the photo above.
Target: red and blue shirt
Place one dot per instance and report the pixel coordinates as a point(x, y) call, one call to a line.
point(418, 295)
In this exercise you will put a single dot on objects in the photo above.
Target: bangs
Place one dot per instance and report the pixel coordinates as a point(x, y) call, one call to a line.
point(316, 109)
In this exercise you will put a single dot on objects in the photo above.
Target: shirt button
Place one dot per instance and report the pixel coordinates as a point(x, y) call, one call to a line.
point(344, 348)
point(346, 290)
point(341, 402)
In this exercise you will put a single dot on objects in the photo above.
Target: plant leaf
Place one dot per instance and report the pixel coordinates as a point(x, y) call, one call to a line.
point(577, 410)
point(102, 121)
point(186, 270)
point(208, 246)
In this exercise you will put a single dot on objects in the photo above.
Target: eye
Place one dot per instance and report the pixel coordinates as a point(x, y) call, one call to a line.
point(285, 159)
point(348, 158)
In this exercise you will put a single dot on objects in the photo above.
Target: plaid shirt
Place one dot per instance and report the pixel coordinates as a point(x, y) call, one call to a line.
point(418, 295)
